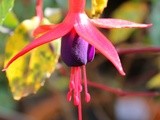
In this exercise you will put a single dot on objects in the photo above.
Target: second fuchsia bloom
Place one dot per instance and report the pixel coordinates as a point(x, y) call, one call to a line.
point(80, 37)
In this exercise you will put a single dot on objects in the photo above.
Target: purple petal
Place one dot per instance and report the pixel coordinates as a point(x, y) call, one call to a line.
point(117, 23)
point(93, 36)
point(75, 51)
point(91, 53)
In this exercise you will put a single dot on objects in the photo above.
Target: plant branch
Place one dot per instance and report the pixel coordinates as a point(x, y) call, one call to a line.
point(39, 9)
point(120, 92)
point(138, 50)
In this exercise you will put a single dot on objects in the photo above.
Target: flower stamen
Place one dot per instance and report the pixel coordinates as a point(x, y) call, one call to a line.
point(78, 74)
point(87, 95)
point(77, 84)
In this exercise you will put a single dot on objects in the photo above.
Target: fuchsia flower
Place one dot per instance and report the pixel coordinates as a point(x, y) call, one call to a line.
point(80, 37)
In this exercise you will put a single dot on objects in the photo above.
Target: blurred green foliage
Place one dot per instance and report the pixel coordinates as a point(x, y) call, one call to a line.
point(132, 11)
point(5, 7)
point(154, 17)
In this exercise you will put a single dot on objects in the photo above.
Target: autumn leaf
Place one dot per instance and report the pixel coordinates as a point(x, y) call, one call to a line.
point(98, 7)
point(28, 73)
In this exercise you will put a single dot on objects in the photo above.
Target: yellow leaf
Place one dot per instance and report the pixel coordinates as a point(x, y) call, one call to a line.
point(98, 7)
point(132, 11)
point(28, 73)
point(154, 82)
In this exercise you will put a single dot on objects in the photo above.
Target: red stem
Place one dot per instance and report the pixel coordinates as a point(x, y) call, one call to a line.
point(77, 5)
point(137, 50)
point(39, 9)
point(120, 92)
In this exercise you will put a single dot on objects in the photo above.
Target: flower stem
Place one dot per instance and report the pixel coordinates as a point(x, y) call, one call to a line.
point(77, 5)
point(138, 50)
point(39, 9)
point(120, 92)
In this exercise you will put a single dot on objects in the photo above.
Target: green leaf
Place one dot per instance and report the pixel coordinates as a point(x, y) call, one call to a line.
point(132, 11)
point(3, 38)
point(11, 20)
point(6, 100)
point(5, 7)
point(155, 19)
point(27, 74)
point(63, 4)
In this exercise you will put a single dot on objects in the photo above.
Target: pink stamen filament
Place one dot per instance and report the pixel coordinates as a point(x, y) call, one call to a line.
point(71, 85)
point(80, 109)
point(77, 83)
point(87, 95)
point(75, 87)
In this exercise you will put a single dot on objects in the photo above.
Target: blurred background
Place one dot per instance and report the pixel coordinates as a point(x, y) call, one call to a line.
point(138, 50)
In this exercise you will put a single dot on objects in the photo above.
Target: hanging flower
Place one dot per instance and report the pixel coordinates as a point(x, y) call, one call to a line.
point(80, 37)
